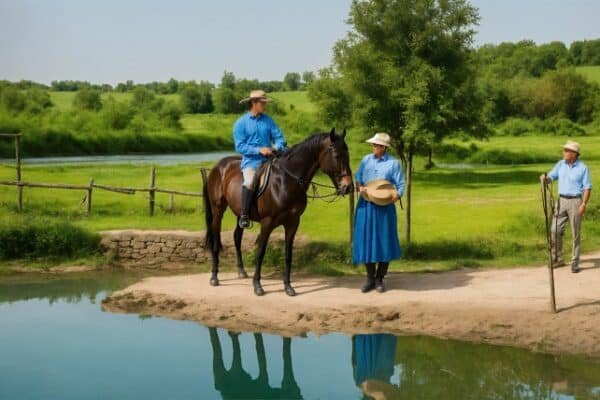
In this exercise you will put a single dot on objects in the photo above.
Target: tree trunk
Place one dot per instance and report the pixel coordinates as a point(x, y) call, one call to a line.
point(429, 164)
point(409, 169)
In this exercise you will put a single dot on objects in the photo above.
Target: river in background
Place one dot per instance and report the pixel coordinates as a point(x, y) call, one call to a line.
point(57, 343)
point(158, 159)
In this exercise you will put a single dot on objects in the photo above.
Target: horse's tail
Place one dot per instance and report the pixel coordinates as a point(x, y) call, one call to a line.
point(208, 214)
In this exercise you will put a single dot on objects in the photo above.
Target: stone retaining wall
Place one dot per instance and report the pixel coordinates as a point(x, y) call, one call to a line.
point(153, 248)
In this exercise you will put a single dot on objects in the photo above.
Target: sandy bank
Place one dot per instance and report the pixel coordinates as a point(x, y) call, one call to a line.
point(504, 307)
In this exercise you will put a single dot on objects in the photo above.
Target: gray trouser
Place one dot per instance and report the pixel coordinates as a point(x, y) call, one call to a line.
point(566, 210)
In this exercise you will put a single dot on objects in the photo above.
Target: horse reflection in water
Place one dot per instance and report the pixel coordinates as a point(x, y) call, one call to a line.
point(236, 383)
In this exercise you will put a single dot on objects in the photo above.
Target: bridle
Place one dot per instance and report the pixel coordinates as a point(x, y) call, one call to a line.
point(304, 183)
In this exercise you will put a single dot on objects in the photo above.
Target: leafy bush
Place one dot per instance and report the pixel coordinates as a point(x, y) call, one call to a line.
point(87, 99)
point(27, 238)
point(197, 98)
point(553, 126)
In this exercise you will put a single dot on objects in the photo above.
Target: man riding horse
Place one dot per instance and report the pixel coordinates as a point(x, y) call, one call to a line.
point(255, 134)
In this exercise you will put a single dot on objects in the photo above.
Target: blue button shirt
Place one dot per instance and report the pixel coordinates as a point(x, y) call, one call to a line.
point(250, 133)
point(386, 167)
point(572, 180)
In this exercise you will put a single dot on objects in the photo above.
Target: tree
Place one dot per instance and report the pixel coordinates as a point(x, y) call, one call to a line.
point(407, 66)
point(142, 97)
point(197, 98)
point(308, 77)
point(87, 99)
point(292, 80)
point(228, 80)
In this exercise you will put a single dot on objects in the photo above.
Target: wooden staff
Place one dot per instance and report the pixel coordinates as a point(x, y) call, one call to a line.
point(548, 243)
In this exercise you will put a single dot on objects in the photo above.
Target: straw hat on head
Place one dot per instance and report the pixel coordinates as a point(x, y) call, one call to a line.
point(380, 192)
point(381, 138)
point(256, 95)
point(573, 146)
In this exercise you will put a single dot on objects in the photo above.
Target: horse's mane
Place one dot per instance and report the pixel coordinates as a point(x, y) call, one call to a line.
point(311, 143)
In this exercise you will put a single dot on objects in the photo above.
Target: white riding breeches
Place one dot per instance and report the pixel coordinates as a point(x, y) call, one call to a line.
point(248, 175)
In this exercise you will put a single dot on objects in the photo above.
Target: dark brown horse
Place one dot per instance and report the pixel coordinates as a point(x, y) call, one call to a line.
point(282, 202)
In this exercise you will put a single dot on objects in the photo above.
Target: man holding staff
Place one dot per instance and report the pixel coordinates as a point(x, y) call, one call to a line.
point(574, 189)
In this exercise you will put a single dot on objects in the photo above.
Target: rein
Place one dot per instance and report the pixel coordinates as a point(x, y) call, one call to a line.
point(306, 184)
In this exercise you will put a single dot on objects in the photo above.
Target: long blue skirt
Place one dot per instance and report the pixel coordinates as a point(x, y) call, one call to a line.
point(373, 357)
point(375, 233)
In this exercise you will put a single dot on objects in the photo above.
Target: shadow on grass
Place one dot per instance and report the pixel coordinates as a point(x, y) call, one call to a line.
point(450, 250)
point(478, 179)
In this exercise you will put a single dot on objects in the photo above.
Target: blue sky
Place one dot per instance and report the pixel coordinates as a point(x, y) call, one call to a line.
point(112, 41)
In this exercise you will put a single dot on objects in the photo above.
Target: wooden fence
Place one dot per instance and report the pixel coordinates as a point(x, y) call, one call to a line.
point(151, 189)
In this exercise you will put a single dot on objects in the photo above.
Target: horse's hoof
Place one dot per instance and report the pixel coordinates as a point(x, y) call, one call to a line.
point(259, 291)
point(290, 291)
point(214, 281)
point(242, 274)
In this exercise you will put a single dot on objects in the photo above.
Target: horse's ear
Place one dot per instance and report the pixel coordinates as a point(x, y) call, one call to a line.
point(344, 134)
point(332, 135)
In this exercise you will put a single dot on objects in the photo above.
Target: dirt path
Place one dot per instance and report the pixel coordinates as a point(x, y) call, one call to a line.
point(506, 307)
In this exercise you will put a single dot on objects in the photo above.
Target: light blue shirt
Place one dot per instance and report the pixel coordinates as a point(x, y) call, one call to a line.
point(250, 133)
point(386, 167)
point(572, 180)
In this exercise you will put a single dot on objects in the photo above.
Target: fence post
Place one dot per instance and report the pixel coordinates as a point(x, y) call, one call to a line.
point(351, 219)
point(152, 186)
point(89, 198)
point(172, 203)
point(18, 162)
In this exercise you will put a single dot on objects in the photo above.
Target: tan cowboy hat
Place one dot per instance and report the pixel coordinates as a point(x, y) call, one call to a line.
point(573, 146)
point(380, 192)
point(256, 95)
point(380, 138)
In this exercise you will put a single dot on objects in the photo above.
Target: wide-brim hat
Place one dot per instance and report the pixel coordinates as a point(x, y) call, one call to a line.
point(573, 146)
point(380, 138)
point(256, 95)
point(380, 192)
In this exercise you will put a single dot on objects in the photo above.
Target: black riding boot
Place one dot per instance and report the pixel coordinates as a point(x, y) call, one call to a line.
point(247, 196)
point(370, 283)
point(382, 268)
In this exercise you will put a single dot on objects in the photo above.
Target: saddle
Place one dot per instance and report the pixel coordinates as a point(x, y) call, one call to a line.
point(264, 173)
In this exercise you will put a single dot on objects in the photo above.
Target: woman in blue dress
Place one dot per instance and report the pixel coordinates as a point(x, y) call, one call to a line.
point(375, 226)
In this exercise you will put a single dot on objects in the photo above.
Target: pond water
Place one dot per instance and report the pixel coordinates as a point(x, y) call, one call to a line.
point(57, 343)
point(158, 159)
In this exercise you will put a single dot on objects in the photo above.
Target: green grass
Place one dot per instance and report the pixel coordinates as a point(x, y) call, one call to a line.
point(299, 99)
point(489, 216)
point(591, 72)
point(485, 216)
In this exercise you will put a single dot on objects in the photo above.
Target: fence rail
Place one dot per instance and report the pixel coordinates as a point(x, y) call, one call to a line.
point(151, 190)
point(115, 189)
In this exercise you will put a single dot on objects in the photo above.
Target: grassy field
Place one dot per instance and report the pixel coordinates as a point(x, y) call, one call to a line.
point(486, 216)
point(591, 72)
point(489, 215)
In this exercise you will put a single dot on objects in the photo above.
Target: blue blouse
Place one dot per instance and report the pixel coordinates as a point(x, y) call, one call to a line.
point(386, 167)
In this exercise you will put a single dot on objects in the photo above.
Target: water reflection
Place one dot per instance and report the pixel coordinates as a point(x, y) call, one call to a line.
point(236, 383)
point(47, 324)
point(373, 364)
point(425, 368)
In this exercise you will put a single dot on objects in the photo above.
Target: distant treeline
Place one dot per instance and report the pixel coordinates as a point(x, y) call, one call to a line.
point(291, 81)
point(520, 87)
point(537, 81)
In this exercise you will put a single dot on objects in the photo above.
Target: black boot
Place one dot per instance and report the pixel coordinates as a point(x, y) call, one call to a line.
point(247, 196)
point(370, 284)
point(382, 268)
